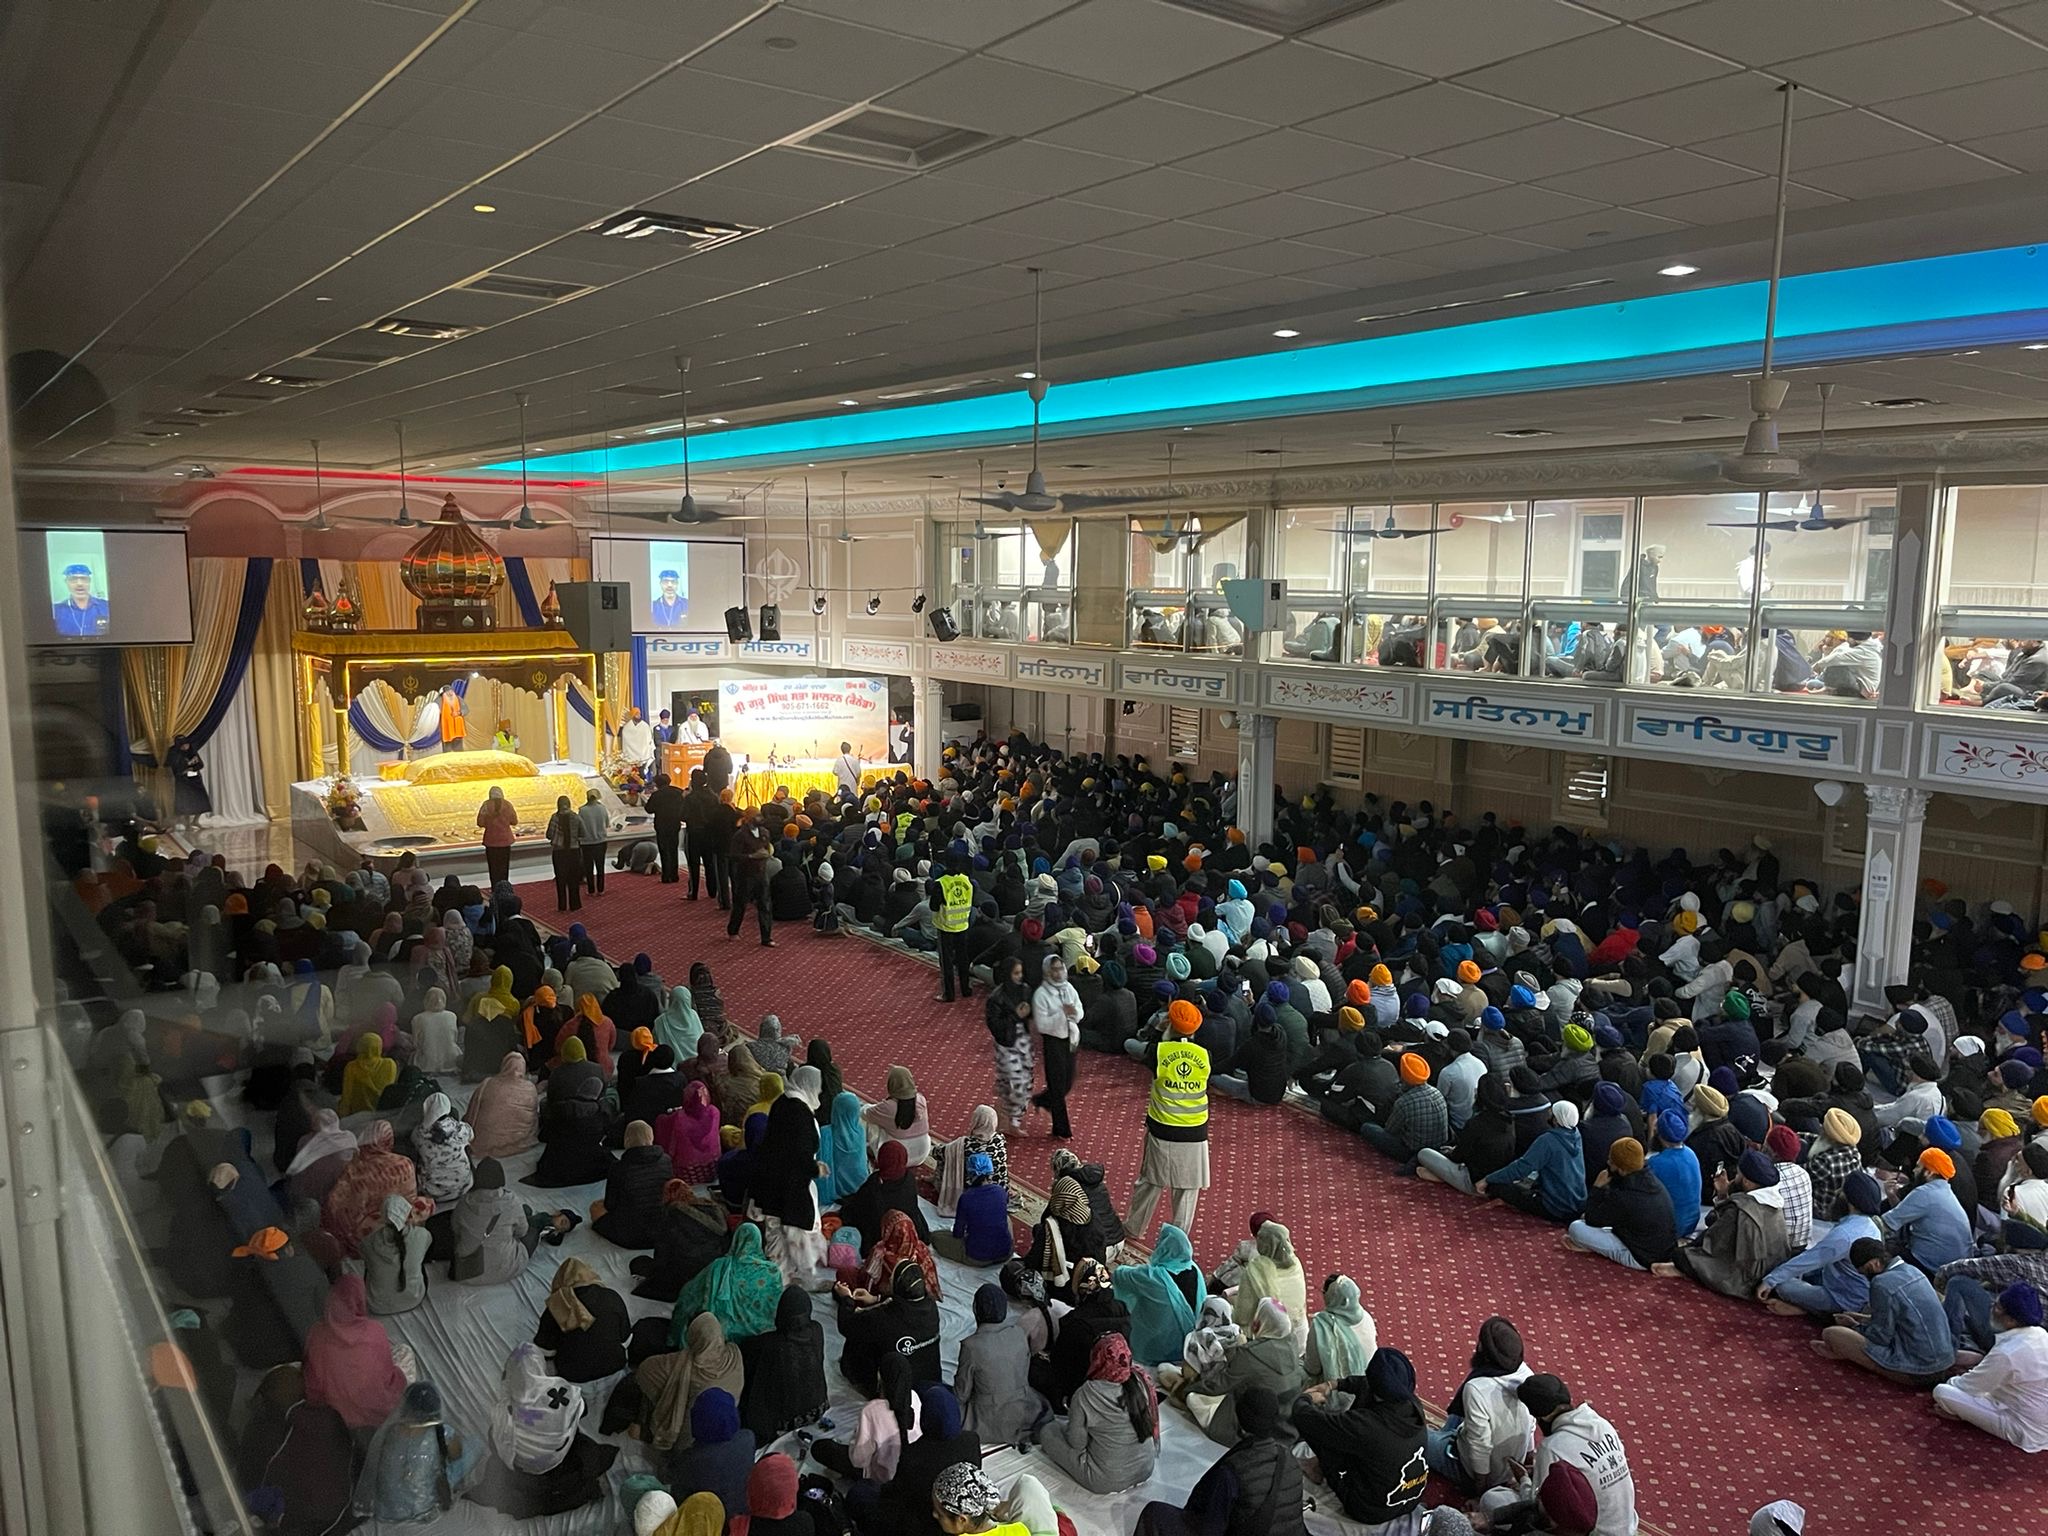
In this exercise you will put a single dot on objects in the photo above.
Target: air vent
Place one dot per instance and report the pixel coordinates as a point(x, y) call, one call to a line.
point(1900, 403)
point(1582, 789)
point(1495, 298)
point(1345, 758)
point(422, 330)
point(1183, 732)
point(894, 139)
point(350, 357)
point(534, 290)
point(207, 410)
point(642, 223)
point(1286, 17)
point(284, 381)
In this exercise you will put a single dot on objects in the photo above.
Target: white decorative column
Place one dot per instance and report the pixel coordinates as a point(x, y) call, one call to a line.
point(1255, 736)
point(927, 725)
point(1891, 877)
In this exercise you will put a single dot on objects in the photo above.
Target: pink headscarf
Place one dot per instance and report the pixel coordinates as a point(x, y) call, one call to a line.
point(504, 1110)
point(690, 1134)
point(348, 1359)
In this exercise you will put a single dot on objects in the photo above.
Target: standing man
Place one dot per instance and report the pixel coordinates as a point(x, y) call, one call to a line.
point(718, 768)
point(951, 897)
point(693, 727)
point(597, 831)
point(636, 741)
point(847, 770)
point(700, 811)
point(499, 820)
point(664, 729)
point(666, 806)
point(1176, 1160)
point(749, 852)
point(565, 847)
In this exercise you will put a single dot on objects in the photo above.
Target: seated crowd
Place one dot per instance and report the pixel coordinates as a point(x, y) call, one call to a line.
point(1654, 1054)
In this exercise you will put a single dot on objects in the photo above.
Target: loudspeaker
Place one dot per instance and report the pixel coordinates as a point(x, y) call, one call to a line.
point(942, 625)
point(771, 621)
point(598, 614)
point(737, 629)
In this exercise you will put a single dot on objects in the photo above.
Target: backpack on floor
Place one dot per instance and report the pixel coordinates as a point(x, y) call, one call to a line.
point(827, 1507)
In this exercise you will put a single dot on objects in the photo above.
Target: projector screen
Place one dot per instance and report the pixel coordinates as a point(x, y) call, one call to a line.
point(88, 586)
point(680, 586)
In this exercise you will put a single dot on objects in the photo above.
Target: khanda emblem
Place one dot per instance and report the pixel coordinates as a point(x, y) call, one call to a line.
point(409, 685)
point(539, 678)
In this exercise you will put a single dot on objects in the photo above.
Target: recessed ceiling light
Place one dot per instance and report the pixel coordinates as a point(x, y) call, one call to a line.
point(321, 298)
point(849, 402)
point(1285, 334)
point(781, 44)
point(1027, 374)
point(718, 421)
point(1677, 269)
point(1899, 403)
point(2035, 346)
point(1525, 432)
point(483, 207)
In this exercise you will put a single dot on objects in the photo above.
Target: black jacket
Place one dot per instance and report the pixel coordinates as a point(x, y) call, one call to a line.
point(785, 1386)
point(593, 1353)
point(632, 1198)
point(1254, 1490)
point(700, 809)
point(1638, 1207)
point(1371, 1453)
point(573, 1130)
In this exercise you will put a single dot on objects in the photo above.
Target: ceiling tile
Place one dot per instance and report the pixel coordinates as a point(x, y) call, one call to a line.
point(1666, 173)
point(1362, 274)
point(653, 31)
point(1547, 149)
point(1447, 37)
point(1263, 292)
point(1151, 129)
point(1384, 237)
point(995, 96)
point(738, 109)
point(830, 58)
point(1179, 241)
point(1069, 222)
point(813, 179)
point(1280, 258)
point(1767, 31)
point(1974, 111)
point(1603, 227)
point(1917, 170)
point(1596, 71)
point(946, 202)
point(963, 26)
point(1735, 202)
point(1283, 160)
point(1404, 184)
point(1166, 193)
point(1715, 108)
point(1479, 253)
point(1046, 169)
point(1290, 83)
point(1507, 209)
point(1138, 44)
point(1633, 10)
point(1430, 118)
point(1081, 263)
point(1831, 140)
point(2027, 150)
point(1279, 215)
point(1958, 53)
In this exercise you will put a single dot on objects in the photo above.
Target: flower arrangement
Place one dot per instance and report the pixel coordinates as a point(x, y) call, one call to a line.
point(345, 804)
point(629, 779)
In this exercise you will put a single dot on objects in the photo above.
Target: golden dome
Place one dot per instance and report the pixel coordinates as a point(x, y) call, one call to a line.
point(453, 572)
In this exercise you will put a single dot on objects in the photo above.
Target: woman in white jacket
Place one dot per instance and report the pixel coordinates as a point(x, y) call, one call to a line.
point(1056, 1015)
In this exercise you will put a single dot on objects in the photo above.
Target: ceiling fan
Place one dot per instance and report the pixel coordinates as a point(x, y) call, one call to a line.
point(405, 519)
point(1812, 518)
point(525, 521)
point(1166, 533)
point(1034, 497)
point(317, 523)
point(1509, 517)
point(687, 513)
point(1761, 462)
point(1386, 530)
point(842, 536)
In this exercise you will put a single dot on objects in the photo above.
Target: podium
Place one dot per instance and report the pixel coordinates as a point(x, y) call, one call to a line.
point(679, 757)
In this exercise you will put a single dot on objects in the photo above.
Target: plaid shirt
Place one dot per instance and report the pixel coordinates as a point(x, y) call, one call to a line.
point(1894, 1045)
point(1828, 1166)
point(1795, 1191)
point(1417, 1118)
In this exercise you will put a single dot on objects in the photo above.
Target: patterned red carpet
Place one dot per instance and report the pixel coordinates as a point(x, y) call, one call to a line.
point(1722, 1407)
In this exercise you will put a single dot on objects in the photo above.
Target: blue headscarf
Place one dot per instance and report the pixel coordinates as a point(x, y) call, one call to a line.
point(1161, 1315)
point(844, 1149)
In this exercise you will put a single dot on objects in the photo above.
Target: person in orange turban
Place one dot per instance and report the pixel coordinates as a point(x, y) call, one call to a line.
point(1184, 1017)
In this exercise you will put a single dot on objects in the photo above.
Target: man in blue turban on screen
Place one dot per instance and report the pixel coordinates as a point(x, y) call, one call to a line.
point(81, 613)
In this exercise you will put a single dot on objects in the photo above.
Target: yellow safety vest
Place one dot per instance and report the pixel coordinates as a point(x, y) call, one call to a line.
point(1180, 1085)
point(958, 894)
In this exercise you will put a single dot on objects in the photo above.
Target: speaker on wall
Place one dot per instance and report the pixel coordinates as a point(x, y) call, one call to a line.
point(598, 614)
point(771, 621)
point(942, 625)
point(737, 629)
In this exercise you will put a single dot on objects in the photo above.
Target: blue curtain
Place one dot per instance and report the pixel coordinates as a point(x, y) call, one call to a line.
point(309, 577)
point(583, 707)
point(521, 584)
point(640, 676)
point(377, 741)
point(248, 620)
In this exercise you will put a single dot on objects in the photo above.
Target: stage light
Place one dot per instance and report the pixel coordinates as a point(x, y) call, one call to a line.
point(942, 625)
point(818, 605)
point(917, 603)
point(874, 604)
point(771, 621)
point(736, 627)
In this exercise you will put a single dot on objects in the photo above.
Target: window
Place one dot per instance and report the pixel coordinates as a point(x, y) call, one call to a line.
point(1828, 576)
point(1346, 754)
point(1695, 570)
point(1582, 789)
point(1993, 598)
point(1177, 563)
point(1183, 732)
point(1578, 552)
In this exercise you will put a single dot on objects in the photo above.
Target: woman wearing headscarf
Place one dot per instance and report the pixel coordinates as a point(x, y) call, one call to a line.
point(689, 1134)
point(495, 1232)
point(739, 1086)
point(441, 1148)
point(1165, 1297)
point(843, 1149)
point(1486, 1431)
point(416, 1463)
point(1275, 1271)
point(1264, 1355)
point(897, 1244)
point(1341, 1337)
point(741, 1288)
point(355, 1204)
point(1064, 1237)
point(348, 1359)
point(782, 1188)
point(367, 1076)
point(572, 1130)
point(677, 1025)
point(1007, 1012)
point(394, 1259)
point(901, 1117)
point(981, 1137)
point(785, 1387)
point(628, 1215)
point(1109, 1440)
point(690, 1234)
point(437, 1047)
point(656, 1089)
point(504, 1110)
point(891, 1187)
point(715, 1458)
point(736, 1163)
point(831, 1081)
point(769, 1048)
point(772, 1501)
point(710, 1005)
point(903, 1325)
point(296, 1458)
point(589, 1026)
point(539, 1464)
point(461, 946)
point(1096, 1311)
point(1368, 1447)
point(497, 1002)
point(633, 1059)
point(993, 1378)
point(433, 955)
point(905, 1503)
point(584, 1326)
point(321, 1156)
point(770, 1086)
point(654, 1403)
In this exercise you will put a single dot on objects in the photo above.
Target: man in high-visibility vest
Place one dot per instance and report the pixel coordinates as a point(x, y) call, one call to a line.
point(951, 897)
point(1176, 1160)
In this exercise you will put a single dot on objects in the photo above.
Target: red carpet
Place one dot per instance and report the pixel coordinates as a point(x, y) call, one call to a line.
point(1722, 1407)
